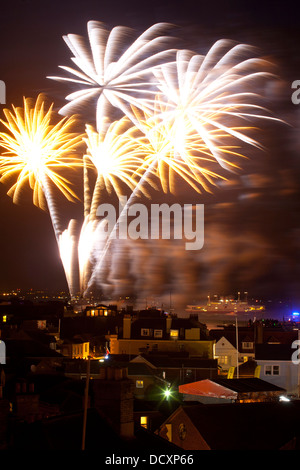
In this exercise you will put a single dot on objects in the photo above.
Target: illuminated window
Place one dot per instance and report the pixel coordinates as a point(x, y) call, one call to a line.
point(144, 422)
point(139, 384)
point(174, 334)
point(4, 318)
point(223, 359)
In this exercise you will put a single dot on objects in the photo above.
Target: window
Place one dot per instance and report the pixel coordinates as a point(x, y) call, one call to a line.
point(158, 333)
point(268, 370)
point(174, 334)
point(144, 421)
point(139, 384)
point(223, 359)
point(145, 332)
point(247, 345)
point(271, 370)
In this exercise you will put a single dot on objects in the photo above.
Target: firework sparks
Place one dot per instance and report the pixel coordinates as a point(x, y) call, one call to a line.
point(191, 131)
point(35, 151)
point(210, 92)
point(173, 147)
point(113, 77)
point(115, 156)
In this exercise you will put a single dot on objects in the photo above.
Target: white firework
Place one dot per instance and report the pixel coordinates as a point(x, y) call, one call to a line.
point(213, 91)
point(111, 75)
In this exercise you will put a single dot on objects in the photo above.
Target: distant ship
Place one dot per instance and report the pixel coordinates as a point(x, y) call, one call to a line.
point(226, 306)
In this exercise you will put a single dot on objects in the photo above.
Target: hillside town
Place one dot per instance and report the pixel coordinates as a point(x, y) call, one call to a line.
point(140, 379)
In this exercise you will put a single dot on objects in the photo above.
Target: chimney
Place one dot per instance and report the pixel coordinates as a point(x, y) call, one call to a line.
point(168, 323)
point(258, 332)
point(113, 397)
point(126, 327)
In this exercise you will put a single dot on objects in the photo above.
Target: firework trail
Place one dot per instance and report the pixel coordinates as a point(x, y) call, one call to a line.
point(115, 157)
point(36, 150)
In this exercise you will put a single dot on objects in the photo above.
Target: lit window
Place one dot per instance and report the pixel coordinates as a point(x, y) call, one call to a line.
point(173, 334)
point(223, 359)
point(139, 384)
point(144, 422)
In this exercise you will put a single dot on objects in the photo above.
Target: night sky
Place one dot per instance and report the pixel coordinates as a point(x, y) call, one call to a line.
point(252, 238)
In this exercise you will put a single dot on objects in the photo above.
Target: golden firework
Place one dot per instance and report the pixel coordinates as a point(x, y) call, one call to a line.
point(36, 150)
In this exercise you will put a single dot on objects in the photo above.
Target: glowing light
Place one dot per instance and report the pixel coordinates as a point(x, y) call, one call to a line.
point(173, 147)
point(115, 157)
point(114, 73)
point(35, 150)
point(284, 398)
point(208, 92)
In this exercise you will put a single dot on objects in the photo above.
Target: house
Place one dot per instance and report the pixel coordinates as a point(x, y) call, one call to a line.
point(145, 378)
point(77, 348)
point(221, 390)
point(179, 368)
point(156, 332)
point(248, 337)
point(277, 366)
point(234, 426)
point(100, 310)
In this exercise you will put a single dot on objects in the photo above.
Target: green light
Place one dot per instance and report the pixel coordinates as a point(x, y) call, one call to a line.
point(167, 393)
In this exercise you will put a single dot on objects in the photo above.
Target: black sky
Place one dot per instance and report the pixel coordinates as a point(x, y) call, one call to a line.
point(32, 48)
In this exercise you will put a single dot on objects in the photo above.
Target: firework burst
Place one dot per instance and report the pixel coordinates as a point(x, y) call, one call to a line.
point(35, 151)
point(113, 76)
point(115, 157)
point(215, 92)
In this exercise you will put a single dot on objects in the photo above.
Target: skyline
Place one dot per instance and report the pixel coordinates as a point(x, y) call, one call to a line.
point(267, 237)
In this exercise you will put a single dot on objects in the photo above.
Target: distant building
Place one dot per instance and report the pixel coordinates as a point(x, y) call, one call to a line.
point(100, 311)
point(277, 367)
point(161, 333)
point(179, 369)
point(75, 349)
point(230, 355)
